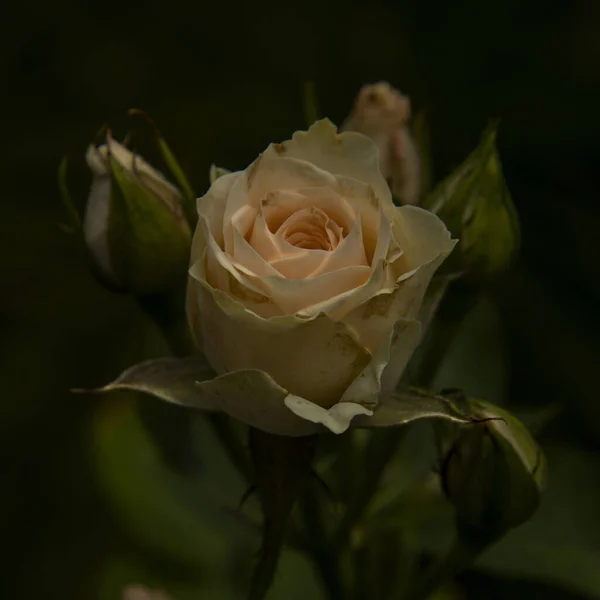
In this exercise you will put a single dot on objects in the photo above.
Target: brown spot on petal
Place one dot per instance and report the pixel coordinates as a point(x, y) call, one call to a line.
point(280, 148)
point(379, 305)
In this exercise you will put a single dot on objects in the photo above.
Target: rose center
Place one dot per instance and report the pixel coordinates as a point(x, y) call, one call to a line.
point(312, 229)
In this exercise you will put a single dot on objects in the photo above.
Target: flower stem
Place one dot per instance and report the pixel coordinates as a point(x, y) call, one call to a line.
point(380, 450)
point(282, 465)
point(166, 311)
point(319, 546)
point(465, 550)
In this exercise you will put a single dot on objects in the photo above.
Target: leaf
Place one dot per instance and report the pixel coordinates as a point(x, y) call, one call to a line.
point(189, 205)
point(74, 220)
point(172, 379)
point(412, 404)
point(148, 241)
point(189, 521)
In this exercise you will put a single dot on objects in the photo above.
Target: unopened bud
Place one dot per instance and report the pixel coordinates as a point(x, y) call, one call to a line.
point(134, 224)
point(382, 113)
point(476, 206)
point(493, 475)
point(141, 592)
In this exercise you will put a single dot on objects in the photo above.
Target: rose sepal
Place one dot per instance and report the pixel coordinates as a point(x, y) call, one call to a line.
point(254, 398)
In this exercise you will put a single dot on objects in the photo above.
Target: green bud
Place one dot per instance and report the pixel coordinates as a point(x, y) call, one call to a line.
point(493, 475)
point(476, 206)
point(134, 225)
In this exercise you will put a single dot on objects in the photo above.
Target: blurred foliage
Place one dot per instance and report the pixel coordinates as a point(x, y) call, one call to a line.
point(81, 509)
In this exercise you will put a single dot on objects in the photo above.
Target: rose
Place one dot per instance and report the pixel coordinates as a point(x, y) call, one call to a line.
point(134, 225)
point(382, 113)
point(141, 592)
point(306, 283)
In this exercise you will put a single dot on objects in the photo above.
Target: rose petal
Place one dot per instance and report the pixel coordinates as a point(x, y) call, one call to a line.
point(301, 264)
point(221, 272)
point(314, 358)
point(246, 255)
point(338, 306)
point(336, 419)
point(264, 176)
point(421, 235)
point(388, 364)
point(350, 154)
point(325, 198)
point(295, 295)
point(350, 252)
point(211, 206)
point(373, 319)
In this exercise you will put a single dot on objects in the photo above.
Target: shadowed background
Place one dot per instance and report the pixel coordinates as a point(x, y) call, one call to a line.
point(223, 80)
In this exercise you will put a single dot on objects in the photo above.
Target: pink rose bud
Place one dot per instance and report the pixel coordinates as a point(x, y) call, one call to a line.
point(141, 592)
point(382, 113)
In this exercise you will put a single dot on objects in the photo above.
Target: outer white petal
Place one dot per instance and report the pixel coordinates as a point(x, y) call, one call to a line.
point(422, 236)
point(296, 295)
point(212, 207)
point(95, 222)
point(389, 362)
point(337, 419)
point(315, 358)
point(97, 210)
point(374, 319)
point(351, 154)
point(148, 176)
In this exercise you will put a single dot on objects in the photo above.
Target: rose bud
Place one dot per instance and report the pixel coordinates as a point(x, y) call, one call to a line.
point(493, 475)
point(382, 113)
point(306, 284)
point(476, 206)
point(134, 224)
point(141, 592)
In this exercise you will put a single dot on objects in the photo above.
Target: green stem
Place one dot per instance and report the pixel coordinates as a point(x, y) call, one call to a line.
point(319, 546)
point(282, 465)
point(380, 450)
point(465, 550)
point(169, 316)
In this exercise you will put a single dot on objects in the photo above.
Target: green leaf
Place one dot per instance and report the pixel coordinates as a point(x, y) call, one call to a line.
point(189, 521)
point(476, 206)
point(149, 243)
point(172, 379)
point(189, 204)
point(74, 220)
point(412, 404)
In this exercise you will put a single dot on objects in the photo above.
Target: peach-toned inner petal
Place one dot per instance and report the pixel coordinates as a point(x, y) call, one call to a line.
point(321, 227)
point(312, 229)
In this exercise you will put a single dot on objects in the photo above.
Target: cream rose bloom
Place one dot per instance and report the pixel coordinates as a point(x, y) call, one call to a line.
point(306, 283)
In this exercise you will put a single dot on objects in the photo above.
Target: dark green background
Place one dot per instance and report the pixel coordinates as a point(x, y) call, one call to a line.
point(222, 80)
